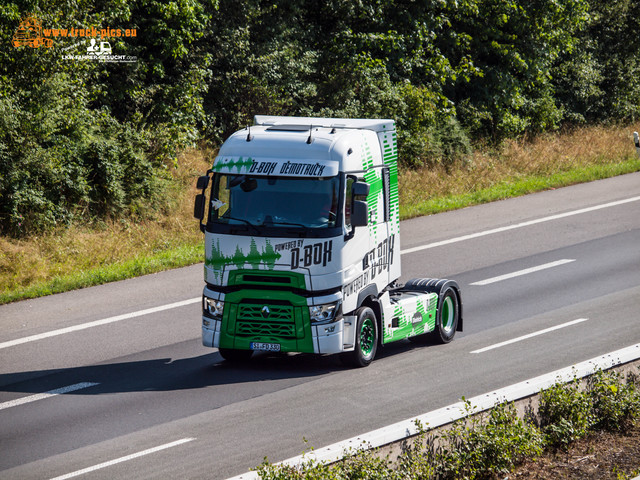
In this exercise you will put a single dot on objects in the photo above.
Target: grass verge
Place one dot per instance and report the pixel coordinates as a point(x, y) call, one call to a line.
point(516, 187)
point(83, 256)
point(140, 265)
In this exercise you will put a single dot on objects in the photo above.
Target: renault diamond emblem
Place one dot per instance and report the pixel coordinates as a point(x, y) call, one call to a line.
point(265, 311)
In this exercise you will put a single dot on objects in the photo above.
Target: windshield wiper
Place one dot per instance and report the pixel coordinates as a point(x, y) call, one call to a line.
point(255, 227)
point(269, 222)
point(285, 223)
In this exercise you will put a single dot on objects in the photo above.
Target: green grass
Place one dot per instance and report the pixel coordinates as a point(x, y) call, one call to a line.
point(516, 187)
point(141, 265)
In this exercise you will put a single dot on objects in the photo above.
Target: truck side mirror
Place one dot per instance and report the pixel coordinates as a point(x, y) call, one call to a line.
point(201, 199)
point(360, 189)
point(198, 207)
point(360, 214)
point(203, 182)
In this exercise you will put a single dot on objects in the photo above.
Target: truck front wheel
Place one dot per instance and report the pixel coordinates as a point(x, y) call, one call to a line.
point(447, 317)
point(366, 339)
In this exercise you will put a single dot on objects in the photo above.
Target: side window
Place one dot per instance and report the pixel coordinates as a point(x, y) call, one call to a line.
point(348, 204)
point(219, 197)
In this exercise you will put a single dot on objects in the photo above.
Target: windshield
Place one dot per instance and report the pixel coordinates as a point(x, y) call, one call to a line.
point(275, 202)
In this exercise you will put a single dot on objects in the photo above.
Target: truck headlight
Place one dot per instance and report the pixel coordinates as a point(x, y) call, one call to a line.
point(213, 308)
point(326, 313)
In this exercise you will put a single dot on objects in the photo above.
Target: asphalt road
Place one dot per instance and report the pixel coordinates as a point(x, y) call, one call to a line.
point(112, 381)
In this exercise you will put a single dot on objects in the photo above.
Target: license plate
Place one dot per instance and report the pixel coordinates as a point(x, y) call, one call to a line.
point(267, 347)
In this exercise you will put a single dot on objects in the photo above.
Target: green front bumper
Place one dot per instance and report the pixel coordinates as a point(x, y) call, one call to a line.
point(266, 310)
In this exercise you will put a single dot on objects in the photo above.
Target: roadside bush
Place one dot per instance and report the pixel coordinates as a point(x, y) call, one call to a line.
point(598, 80)
point(368, 465)
point(482, 448)
point(566, 413)
point(416, 460)
point(83, 139)
point(313, 470)
point(365, 465)
point(61, 162)
point(616, 403)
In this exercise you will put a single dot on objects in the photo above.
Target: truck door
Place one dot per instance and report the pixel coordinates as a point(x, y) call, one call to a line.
point(382, 241)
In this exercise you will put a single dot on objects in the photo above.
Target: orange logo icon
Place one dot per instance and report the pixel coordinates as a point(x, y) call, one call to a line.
point(29, 34)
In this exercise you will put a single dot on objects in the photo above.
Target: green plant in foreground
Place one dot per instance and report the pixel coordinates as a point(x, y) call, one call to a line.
point(416, 461)
point(361, 465)
point(565, 413)
point(367, 465)
point(616, 403)
point(626, 476)
point(481, 448)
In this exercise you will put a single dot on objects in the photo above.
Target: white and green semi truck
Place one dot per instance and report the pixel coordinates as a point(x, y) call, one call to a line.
point(302, 239)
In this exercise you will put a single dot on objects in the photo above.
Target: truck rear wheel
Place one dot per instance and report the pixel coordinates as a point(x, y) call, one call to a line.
point(366, 339)
point(449, 312)
point(232, 355)
point(447, 316)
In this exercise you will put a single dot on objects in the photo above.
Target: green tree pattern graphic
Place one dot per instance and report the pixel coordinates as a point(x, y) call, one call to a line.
point(230, 165)
point(217, 260)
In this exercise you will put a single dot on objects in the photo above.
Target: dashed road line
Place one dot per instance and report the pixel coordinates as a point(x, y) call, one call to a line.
point(97, 323)
point(100, 466)
point(51, 393)
point(534, 334)
point(526, 271)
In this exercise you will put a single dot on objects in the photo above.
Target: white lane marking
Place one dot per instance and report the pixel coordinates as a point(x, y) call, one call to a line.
point(123, 459)
point(518, 225)
point(51, 393)
point(526, 271)
point(535, 334)
point(97, 323)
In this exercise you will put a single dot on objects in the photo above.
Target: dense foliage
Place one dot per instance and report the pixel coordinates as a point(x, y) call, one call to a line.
point(81, 137)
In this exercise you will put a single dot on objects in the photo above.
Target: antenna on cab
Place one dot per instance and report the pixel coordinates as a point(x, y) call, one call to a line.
point(309, 140)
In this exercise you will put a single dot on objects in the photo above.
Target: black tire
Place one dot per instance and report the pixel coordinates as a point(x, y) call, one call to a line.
point(447, 316)
point(232, 355)
point(366, 339)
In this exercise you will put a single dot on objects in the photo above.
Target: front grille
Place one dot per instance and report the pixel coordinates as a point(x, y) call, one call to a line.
point(254, 329)
point(265, 279)
point(253, 321)
point(276, 312)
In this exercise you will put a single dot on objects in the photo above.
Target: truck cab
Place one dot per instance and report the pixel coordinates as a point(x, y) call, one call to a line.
point(302, 250)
